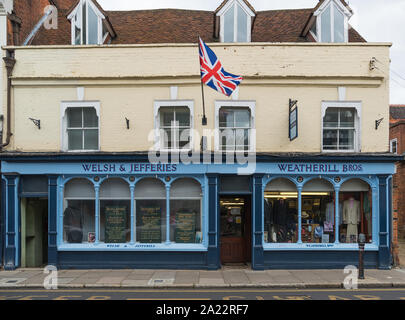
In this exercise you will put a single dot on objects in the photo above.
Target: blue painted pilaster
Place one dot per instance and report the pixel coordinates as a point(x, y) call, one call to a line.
point(10, 248)
point(213, 256)
point(383, 250)
point(258, 200)
point(2, 220)
point(52, 220)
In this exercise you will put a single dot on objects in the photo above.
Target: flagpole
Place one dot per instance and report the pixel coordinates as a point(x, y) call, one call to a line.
point(204, 119)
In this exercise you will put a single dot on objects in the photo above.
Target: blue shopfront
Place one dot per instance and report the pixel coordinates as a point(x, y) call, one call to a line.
point(121, 211)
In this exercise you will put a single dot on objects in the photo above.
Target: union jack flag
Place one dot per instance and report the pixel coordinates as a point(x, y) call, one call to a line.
point(213, 74)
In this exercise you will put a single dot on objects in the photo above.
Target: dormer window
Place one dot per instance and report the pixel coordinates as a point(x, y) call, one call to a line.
point(235, 22)
point(87, 24)
point(332, 22)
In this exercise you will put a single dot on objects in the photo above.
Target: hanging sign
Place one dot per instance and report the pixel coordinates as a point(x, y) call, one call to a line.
point(293, 120)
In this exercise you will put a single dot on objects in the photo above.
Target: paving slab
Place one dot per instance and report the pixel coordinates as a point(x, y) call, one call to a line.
point(110, 280)
point(187, 277)
point(135, 283)
point(235, 277)
point(259, 278)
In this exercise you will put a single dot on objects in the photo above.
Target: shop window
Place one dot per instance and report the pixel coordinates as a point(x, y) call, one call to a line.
point(318, 212)
point(115, 211)
point(185, 211)
point(150, 204)
point(340, 131)
point(79, 212)
point(281, 212)
point(355, 211)
point(81, 128)
point(175, 128)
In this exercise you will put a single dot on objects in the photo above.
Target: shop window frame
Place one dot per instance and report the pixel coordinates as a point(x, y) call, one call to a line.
point(372, 246)
point(64, 123)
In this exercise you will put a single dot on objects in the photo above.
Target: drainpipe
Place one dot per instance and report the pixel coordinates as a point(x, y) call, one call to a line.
point(9, 61)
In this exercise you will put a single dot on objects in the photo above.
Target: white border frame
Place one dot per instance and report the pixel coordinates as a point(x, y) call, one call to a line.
point(99, 22)
point(318, 14)
point(236, 104)
point(248, 12)
point(63, 121)
point(172, 103)
point(396, 142)
point(346, 104)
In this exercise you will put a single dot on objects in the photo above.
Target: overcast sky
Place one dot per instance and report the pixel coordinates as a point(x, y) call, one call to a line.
point(376, 20)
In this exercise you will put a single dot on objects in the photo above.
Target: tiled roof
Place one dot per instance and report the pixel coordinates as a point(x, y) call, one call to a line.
point(184, 26)
point(397, 112)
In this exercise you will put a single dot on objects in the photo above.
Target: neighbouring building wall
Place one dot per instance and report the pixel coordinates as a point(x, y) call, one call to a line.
point(126, 80)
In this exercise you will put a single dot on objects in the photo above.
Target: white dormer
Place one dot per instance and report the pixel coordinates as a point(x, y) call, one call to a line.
point(332, 22)
point(87, 24)
point(235, 21)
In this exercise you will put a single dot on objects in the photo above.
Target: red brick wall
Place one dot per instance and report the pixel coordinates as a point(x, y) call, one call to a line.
point(30, 12)
point(398, 132)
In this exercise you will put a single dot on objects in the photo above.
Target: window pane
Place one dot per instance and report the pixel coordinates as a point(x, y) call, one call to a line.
point(326, 25)
point(84, 24)
point(242, 25)
point(242, 118)
point(240, 138)
point(339, 25)
point(79, 189)
point(331, 119)
point(347, 118)
point(346, 139)
point(183, 117)
point(114, 188)
point(150, 188)
point(184, 138)
point(330, 139)
point(79, 221)
point(167, 136)
point(151, 221)
point(355, 211)
point(166, 117)
point(75, 139)
point(227, 138)
point(226, 118)
point(74, 117)
point(90, 139)
point(93, 26)
point(185, 221)
point(229, 25)
point(78, 27)
point(90, 118)
point(115, 218)
point(318, 212)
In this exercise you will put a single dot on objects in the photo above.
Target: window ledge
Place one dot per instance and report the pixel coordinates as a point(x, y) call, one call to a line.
point(318, 246)
point(132, 247)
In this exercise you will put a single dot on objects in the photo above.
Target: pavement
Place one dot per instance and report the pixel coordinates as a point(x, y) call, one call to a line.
point(227, 277)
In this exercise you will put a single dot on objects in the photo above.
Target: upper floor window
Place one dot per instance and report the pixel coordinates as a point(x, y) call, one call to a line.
point(235, 124)
point(340, 129)
point(332, 23)
point(394, 146)
point(80, 123)
point(174, 125)
point(87, 24)
point(235, 22)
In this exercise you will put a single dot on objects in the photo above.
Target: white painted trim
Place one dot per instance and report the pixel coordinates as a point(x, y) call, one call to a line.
point(346, 104)
point(80, 93)
point(340, 5)
point(342, 93)
point(236, 104)
point(63, 121)
point(248, 12)
point(174, 92)
point(391, 143)
point(172, 103)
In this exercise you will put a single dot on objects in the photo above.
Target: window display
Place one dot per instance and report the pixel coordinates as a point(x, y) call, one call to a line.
point(115, 211)
point(281, 212)
point(318, 212)
point(79, 211)
point(185, 211)
point(150, 206)
point(355, 211)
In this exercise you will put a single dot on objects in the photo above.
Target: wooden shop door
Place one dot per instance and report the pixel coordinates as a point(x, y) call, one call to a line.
point(235, 229)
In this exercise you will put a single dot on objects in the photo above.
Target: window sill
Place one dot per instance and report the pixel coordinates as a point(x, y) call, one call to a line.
point(317, 246)
point(132, 247)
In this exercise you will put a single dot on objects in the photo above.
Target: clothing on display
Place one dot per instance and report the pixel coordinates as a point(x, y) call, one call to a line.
point(73, 222)
point(351, 217)
point(330, 213)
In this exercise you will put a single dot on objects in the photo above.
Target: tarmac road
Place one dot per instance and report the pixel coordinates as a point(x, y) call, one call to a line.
point(204, 294)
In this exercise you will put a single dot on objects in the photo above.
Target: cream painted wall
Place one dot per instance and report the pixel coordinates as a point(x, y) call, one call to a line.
point(128, 79)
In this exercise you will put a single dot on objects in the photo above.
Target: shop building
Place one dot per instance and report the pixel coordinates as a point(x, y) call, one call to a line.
point(89, 122)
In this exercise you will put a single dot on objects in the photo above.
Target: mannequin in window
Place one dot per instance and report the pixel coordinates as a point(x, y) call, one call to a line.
point(351, 217)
